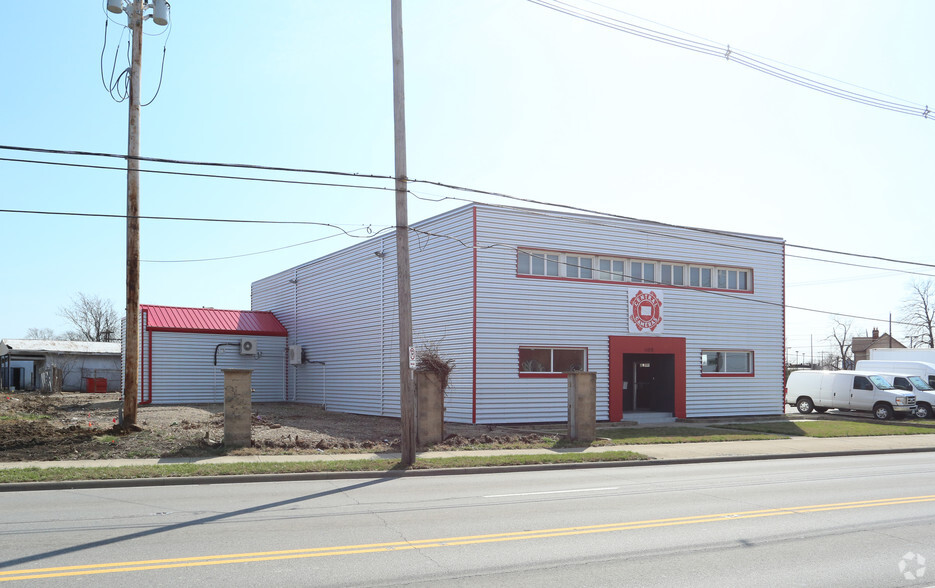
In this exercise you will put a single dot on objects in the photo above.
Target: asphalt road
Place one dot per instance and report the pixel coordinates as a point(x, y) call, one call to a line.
point(842, 521)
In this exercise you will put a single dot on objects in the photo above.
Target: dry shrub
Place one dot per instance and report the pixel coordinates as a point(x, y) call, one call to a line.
point(429, 359)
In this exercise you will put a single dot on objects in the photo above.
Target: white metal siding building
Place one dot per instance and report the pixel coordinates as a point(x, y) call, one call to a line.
point(671, 319)
point(183, 350)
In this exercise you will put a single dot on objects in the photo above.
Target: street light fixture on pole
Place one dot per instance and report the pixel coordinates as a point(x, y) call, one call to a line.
point(134, 10)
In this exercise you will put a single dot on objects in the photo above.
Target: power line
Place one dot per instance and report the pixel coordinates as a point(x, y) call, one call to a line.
point(370, 234)
point(741, 58)
point(713, 292)
point(417, 231)
point(199, 175)
point(182, 218)
point(454, 187)
point(251, 166)
point(597, 222)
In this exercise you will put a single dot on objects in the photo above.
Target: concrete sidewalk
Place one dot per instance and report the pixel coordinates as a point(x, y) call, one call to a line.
point(658, 453)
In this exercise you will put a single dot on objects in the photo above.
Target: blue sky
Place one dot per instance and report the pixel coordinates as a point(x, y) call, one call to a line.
point(501, 95)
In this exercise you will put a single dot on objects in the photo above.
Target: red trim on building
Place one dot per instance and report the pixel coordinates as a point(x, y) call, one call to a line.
point(648, 285)
point(150, 371)
point(474, 329)
point(643, 345)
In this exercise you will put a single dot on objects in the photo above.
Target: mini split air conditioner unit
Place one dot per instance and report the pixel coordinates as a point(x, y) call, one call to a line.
point(248, 347)
point(295, 354)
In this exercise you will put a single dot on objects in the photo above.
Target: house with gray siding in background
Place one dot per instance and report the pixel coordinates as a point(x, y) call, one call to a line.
point(674, 320)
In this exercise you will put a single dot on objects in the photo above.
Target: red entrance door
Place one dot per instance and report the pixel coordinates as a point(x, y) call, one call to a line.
point(620, 346)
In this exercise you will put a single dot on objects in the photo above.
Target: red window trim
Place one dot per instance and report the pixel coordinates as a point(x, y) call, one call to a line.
point(522, 374)
point(751, 374)
point(749, 290)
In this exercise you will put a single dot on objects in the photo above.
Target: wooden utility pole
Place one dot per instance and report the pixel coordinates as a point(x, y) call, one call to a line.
point(407, 405)
point(135, 13)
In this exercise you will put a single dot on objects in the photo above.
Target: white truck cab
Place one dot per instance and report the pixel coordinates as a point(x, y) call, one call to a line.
point(817, 390)
point(924, 393)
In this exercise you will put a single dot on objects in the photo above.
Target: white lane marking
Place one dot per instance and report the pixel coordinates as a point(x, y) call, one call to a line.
point(551, 492)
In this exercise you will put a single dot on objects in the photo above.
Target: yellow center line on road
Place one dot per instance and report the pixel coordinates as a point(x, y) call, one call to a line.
point(212, 560)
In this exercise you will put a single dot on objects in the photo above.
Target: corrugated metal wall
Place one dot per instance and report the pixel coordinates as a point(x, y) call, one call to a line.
point(516, 311)
point(342, 310)
point(183, 369)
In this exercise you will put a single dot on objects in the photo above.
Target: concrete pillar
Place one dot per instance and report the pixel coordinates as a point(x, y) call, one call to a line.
point(430, 409)
point(238, 412)
point(582, 397)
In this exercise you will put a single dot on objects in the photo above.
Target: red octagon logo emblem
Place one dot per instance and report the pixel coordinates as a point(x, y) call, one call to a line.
point(646, 310)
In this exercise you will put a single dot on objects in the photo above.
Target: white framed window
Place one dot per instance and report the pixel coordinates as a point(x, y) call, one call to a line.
point(732, 279)
point(611, 269)
point(552, 361)
point(643, 271)
point(636, 271)
point(536, 263)
point(577, 266)
point(727, 362)
point(671, 274)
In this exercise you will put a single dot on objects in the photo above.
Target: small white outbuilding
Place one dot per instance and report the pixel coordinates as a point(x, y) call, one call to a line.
point(183, 350)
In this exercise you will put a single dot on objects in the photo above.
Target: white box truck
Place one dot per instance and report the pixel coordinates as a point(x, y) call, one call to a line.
point(810, 390)
point(903, 354)
point(923, 369)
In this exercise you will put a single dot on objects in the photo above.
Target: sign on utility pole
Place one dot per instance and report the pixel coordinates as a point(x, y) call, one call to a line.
point(407, 405)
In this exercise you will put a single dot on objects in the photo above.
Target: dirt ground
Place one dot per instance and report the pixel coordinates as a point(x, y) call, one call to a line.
point(68, 426)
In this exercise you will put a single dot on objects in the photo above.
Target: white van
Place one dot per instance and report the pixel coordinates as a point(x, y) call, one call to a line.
point(925, 394)
point(864, 391)
point(923, 369)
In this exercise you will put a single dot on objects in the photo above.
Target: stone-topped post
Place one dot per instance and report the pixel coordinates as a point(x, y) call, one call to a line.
point(238, 411)
point(582, 396)
point(430, 409)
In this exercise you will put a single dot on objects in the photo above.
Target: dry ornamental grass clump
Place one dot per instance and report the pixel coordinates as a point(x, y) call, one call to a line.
point(430, 360)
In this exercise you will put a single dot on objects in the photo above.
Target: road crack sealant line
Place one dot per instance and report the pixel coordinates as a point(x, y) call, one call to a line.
point(264, 556)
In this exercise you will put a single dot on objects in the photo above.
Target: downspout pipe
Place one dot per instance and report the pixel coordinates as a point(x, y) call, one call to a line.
point(324, 382)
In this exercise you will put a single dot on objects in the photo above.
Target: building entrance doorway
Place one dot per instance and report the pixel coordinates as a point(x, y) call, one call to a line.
point(649, 382)
point(646, 374)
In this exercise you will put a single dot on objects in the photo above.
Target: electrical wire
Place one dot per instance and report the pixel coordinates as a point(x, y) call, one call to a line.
point(198, 175)
point(737, 236)
point(162, 67)
point(369, 234)
point(251, 166)
point(185, 218)
point(704, 291)
point(741, 58)
point(458, 240)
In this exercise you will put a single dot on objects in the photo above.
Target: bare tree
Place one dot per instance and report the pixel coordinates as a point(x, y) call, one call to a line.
point(842, 339)
point(43, 333)
point(94, 318)
point(919, 311)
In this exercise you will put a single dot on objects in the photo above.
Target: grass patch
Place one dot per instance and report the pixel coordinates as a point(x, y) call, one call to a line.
point(106, 439)
point(65, 474)
point(682, 434)
point(834, 428)
point(24, 416)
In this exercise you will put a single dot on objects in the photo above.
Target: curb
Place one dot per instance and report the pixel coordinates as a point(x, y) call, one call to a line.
point(310, 476)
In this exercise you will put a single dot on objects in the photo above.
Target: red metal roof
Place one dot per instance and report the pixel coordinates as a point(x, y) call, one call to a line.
point(211, 320)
